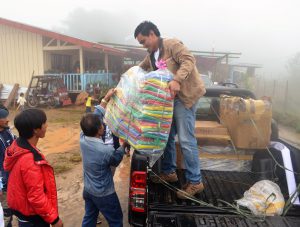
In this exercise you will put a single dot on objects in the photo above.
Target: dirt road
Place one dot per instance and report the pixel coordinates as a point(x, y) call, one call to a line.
point(61, 147)
point(71, 204)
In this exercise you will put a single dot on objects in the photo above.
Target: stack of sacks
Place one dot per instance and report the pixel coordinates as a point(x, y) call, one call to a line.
point(141, 110)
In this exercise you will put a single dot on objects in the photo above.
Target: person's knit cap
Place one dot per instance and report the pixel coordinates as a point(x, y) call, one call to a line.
point(3, 113)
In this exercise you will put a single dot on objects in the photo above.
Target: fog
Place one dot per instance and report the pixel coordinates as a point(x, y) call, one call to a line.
point(265, 32)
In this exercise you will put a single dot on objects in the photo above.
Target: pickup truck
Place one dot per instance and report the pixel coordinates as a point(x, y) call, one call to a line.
point(153, 204)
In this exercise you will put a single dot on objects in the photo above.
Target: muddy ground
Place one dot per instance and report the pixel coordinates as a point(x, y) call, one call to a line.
point(61, 147)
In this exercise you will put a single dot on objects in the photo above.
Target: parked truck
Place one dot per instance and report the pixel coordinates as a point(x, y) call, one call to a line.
point(47, 90)
point(153, 204)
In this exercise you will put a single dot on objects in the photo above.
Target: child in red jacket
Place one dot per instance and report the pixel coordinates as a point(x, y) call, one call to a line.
point(31, 191)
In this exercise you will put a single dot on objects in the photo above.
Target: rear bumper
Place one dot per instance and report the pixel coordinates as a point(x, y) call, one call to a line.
point(209, 220)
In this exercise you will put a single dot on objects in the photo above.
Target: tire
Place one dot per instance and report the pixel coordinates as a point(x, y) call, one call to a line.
point(33, 102)
point(51, 102)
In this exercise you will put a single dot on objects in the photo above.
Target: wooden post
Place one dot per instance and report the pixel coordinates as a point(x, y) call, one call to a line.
point(256, 87)
point(106, 62)
point(106, 67)
point(286, 96)
point(81, 60)
point(11, 95)
point(274, 88)
point(1, 87)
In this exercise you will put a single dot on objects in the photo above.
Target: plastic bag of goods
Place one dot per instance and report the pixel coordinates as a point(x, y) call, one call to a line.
point(141, 110)
point(264, 198)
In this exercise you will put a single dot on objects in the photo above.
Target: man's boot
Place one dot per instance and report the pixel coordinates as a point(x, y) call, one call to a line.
point(190, 190)
point(170, 178)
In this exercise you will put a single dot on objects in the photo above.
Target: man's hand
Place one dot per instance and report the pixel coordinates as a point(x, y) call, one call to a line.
point(174, 87)
point(59, 224)
point(127, 149)
point(125, 145)
point(109, 94)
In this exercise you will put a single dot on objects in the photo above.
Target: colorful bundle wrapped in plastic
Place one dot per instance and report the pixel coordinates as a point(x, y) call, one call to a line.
point(141, 110)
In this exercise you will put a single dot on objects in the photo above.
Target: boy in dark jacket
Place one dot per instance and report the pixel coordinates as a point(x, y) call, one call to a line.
point(6, 139)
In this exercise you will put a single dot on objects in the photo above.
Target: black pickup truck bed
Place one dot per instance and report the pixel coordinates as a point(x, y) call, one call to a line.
point(219, 185)
point(163, 208)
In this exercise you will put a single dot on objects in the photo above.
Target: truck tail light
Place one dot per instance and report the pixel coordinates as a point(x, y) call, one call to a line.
point(137, 193)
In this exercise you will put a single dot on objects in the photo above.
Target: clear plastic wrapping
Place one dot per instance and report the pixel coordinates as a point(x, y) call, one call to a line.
point(225, 158)
point(141, 110)
point(263, 198)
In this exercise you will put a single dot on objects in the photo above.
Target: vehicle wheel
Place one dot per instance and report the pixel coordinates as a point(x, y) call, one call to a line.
point(33, 102)
point(51, 102)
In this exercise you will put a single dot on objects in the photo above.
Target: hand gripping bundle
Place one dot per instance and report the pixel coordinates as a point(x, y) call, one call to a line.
point(141, 110)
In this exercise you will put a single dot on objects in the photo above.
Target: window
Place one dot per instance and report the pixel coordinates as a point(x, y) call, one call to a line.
point(34, 82)
point(61, 63)
point(208, 108)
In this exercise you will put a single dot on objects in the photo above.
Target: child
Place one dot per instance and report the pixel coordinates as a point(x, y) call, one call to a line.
point(99, 192)
point(108, 138)
point(88, 104)
point(21, 101)
point(31, 191)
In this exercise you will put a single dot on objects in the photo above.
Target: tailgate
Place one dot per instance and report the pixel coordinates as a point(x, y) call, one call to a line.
point(166, 219)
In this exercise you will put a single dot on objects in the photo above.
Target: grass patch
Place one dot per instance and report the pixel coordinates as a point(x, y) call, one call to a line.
point(61, 163)
point(64, 162)
point(287, 119)
point(61, 168)
point(73, 111)
point(65, 115)
point(58, 120)
point(75, 158)
point(298, 127)
point(65, 119)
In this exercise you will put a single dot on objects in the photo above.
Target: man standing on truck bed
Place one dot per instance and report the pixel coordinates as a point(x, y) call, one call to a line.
point(186, 88)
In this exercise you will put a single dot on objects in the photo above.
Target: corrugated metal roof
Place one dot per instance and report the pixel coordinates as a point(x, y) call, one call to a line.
point(65, 38)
